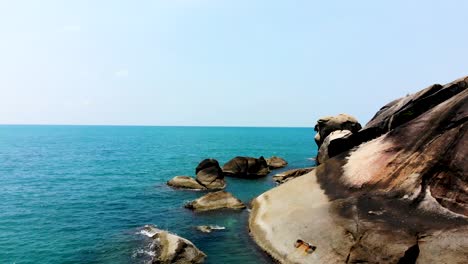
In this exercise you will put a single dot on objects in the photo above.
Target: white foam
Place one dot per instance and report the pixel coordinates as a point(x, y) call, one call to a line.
point(149, 231)
point(217, 227)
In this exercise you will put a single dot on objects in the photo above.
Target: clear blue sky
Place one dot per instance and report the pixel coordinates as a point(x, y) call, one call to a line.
point(215, 62)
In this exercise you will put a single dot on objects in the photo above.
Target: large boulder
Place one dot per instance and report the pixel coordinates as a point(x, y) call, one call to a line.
point(288, 175)
point(276, 163)
point(246, 167)
point(397, 193)
point(215, 200)
point(322, 155)
point(328, 124)
point(185, 182)
point(168, 248)
point(210, 175)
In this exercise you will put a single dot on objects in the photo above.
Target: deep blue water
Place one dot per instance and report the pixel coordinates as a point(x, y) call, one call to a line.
point(78, 194)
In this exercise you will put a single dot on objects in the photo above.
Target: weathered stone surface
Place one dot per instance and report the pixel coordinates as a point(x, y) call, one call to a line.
point(322, 155)
point(215, 200)
point(185, 182)
point(210, 175)
point(276, 163)
point(246, 167)
point(328, 124)
point(290, 174)
point(169, 248)
point(399, 196)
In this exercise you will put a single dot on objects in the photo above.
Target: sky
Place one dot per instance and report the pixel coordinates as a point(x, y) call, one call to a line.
point(221, 62)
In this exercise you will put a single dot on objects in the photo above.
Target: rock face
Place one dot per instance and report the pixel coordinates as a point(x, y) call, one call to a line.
point(246, 167)
point(169, 248)
point(328, 124)
point(210, 175)
point(276, 163)
point(394, 192)
point(323, 150)
point(215, 200)
point(290, 174)
point(185, 182)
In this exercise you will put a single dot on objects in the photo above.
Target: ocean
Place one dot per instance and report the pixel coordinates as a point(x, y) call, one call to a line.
point(79, 194)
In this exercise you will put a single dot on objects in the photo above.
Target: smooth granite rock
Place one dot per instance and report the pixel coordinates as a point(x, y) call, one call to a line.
point(396, 191)
point(214, 201)
point(210, 175)
point(288, 175)
point(185, 182)
point(322, 155)
point(169, 248)
point(328, 124)
point(246, 167)
point(276, 163)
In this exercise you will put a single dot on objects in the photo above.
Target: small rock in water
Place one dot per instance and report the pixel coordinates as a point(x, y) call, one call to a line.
point(209, 228)
point(170, 248)
point(216, 200)
point(276, 163)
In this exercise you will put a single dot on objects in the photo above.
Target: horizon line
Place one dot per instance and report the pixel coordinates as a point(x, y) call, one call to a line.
point(130, 125)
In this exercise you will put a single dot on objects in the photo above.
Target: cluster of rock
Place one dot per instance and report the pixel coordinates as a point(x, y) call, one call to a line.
point(395, 191)
point(209, 176)
point(170, 248)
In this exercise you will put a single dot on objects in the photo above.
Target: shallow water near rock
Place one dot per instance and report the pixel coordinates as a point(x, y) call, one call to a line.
point(79, 194)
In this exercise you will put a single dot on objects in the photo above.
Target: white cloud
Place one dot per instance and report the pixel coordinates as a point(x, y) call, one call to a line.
point(121, 73)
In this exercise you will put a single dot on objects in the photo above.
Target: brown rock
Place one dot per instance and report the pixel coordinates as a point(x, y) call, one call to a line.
point(185, 182)
point(246, 167)
point(328, 124)
point(216, 200)
point(290, 174)
point(210, 175)
point(276, 163)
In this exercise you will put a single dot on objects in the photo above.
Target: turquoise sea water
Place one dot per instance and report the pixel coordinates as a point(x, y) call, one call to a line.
point(78, 194)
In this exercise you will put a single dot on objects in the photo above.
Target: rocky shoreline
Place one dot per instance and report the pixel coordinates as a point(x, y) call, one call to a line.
point(394, 191)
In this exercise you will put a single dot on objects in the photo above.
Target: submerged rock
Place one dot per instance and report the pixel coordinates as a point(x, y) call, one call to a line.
point(246, 167)
point(209, 228)
point(185, 182)
point(169, 248)
point(396, 193)
point(210, 175)
point(290, 174)
point(276, 163)
point(215, 200)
